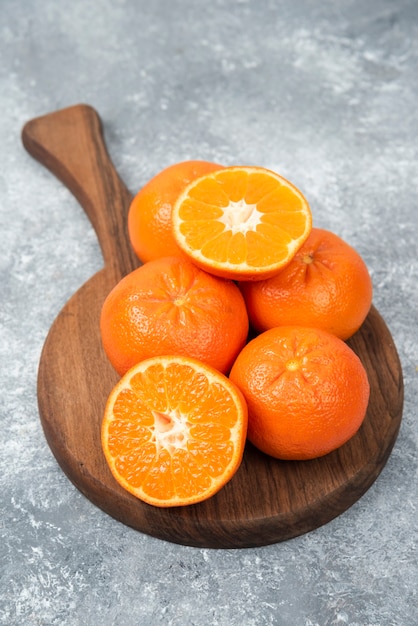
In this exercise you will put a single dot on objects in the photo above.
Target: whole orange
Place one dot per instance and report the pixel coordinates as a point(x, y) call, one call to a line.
point(170, 307)
point(307, 391)
point(326, 285)
point(149, 217)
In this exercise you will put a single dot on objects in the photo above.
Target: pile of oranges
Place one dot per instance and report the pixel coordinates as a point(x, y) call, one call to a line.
point(233, 329)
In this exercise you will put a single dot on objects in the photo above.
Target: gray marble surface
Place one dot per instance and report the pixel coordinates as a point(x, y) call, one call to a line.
point(324, 93)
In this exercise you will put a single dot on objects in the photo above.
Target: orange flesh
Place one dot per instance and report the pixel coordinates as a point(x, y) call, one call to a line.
point(173, 435)
point(247, 221)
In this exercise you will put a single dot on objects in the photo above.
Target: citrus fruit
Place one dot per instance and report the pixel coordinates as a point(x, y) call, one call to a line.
point(149, 217)
point(170, 306)
point(243, 223)
point(173, 431)
point(326, 285)
point(307, 391)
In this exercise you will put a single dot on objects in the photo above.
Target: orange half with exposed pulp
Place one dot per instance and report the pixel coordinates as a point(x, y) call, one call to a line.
point(174, 431)
point(243, 223)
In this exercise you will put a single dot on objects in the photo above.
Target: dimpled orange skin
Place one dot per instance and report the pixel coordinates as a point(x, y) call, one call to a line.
point(170, 307)
point(307, 392)
point(326, 285)
point(149, 217)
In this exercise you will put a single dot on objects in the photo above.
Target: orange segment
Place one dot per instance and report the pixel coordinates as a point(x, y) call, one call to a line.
point(174, 431)
point(243, 223)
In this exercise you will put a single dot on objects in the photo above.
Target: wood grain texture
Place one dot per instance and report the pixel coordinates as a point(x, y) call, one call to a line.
point(267, 501)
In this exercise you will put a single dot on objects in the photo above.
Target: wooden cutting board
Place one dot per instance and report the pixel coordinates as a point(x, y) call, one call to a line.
point(268, 500)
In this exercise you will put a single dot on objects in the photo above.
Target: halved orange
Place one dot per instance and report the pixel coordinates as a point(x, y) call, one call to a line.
point(241, 222)
point(174, 431)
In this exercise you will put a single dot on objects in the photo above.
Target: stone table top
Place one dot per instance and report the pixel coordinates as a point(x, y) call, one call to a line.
point(325, 94)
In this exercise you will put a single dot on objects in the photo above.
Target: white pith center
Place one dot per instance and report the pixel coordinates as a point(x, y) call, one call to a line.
point(171, 430)
point(240, 216)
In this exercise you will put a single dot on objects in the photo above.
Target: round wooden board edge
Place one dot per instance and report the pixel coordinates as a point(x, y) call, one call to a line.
point(228, 534)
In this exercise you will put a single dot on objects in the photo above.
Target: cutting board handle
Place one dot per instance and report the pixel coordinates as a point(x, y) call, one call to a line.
point(70, 143)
